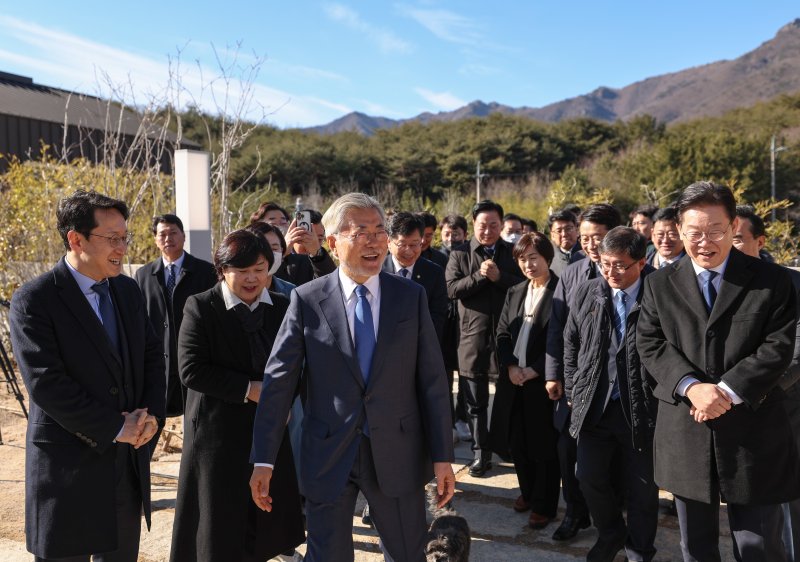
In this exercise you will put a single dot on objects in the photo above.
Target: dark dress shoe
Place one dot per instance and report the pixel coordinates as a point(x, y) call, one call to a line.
point(521, 506)
point(605, 550)
point(569, 528)
point(536, 521)
point(365, 518)
point(479, 467)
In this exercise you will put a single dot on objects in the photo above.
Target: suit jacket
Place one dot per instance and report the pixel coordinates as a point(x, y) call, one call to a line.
point(480, 302)
point(430, 276)
point(532, 396)
point(747, 342)
point(216, 367)
point(78, 385)
point(404, 403)
point(299, 269)
point(196, 276)
point(436, 256)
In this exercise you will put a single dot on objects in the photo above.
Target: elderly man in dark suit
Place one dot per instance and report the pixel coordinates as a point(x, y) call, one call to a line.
point(717, 332)
point(166, 284)
point(363, 343)
point(593, 225)
point(405, 246)
point(479, 275)
point(94, 370)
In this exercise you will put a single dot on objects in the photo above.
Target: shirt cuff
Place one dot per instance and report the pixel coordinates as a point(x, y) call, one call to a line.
point(264, 464)
point(119, 434)
point(735, 398)
point(246, 394)
point(684, 383)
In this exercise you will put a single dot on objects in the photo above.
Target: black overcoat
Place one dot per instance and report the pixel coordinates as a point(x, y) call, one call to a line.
point(531, 396)
point(480, 302)
point(214, 499)
point(747, 341)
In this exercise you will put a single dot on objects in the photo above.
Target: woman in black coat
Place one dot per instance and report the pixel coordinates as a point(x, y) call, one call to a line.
point(225, 340)
point(522, 415)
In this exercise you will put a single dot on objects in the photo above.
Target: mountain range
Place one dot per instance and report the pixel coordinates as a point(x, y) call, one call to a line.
point(771, 69)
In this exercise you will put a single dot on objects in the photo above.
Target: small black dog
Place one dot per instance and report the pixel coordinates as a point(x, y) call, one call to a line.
point(448, 536)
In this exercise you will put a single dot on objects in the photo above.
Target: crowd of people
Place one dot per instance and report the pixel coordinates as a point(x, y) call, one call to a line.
point(624, 359)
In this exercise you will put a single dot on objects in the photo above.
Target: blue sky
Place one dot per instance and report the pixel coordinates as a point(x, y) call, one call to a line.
point(319, 60)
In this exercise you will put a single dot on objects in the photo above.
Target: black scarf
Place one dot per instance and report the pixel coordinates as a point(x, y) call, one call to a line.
point(257, 336)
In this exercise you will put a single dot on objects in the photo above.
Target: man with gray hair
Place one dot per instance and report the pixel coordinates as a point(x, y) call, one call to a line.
point(363, 343)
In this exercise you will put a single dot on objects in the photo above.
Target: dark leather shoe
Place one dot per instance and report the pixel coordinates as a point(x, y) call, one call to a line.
point(606, 551)
point(536, 521)
point(569, 528)
point(365, 518)
point(479, 467)
point(521, 506)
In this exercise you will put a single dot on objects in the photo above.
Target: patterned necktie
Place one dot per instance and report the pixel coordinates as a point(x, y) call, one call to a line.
point(709, 292)
point(620, 315)
point(170, 280)
point(107, 312)
point(364, 332)
point(404, 272)
point(489, 252)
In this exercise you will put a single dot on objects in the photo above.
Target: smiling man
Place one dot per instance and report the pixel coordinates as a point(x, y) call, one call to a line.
point(717, 332)
point(94, 370)
point(666, 237)
point(362, 343)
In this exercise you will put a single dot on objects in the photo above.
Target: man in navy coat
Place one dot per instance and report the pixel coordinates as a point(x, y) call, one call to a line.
point(376, 404)
point(94, 370)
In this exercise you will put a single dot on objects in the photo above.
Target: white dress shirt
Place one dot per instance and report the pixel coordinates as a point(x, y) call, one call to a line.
point(373, 285)
point(398, 267)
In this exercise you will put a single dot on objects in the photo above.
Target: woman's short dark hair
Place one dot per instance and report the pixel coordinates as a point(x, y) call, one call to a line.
point(454, 221)
point(706, 193)
point(241, 248)
point(601, 213)
point(538, 242)
point(624, 239)
point(265, 208)
point(263, 228)
point(76, 212)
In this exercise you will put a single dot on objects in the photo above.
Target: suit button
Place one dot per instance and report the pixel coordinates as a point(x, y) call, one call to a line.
point(113, 391)
point(93, 444)
point(79, 434)
point(711, 333)
point(711, 371)
point(166, 324)
point(166, 355)
point(367, 397)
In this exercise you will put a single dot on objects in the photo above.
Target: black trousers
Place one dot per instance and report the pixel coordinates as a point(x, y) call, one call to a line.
point(598, 447)
point(400, 522)
point(129, 515)
point(476, 395)
point(755, 530)
point(567, 459)
point(537, 471)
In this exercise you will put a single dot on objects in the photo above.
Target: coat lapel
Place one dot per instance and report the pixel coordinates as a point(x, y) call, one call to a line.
point(390, 315)
point(737, 276)
point(231, 326)
point(684, 281)
point(332, 307)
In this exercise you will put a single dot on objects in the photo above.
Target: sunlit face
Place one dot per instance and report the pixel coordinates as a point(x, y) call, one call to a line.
point(170, 239)
point(667, 239)
point(591, 234)
point(406, 249)
point(96, 256)
point(247, 283)
point(743, 238)
point(532, 264)
point(708, 220)
point(564, 234)
point(274, 242)
point(275, 218)
point(511, 227)
point(318, 230)
point(620, 270)
point(643, 224)
point(487, 227)
point(428, 238)
point(452, 236)
point(362, 244)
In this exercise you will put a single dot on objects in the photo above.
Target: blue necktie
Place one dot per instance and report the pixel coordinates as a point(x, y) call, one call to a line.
point(364, 332)
point(489, 252)
point(170, 280)
point(620, 315)
point(404, 272)
point(107, 312)
point(709, 292)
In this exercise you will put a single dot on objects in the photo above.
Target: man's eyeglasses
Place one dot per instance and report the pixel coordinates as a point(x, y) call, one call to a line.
point(616, 267)
point(695, 236)
point(115, 241)
point(671, 235)
point(362, 237)
point(414, 247)
point(563, 230)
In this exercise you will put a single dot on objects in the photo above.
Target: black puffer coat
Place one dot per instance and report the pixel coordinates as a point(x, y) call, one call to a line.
point(587, 336)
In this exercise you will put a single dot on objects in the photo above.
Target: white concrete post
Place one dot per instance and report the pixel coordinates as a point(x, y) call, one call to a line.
point(193, 200)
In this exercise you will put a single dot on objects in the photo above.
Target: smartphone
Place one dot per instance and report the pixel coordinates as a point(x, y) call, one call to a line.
point(303, 219)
